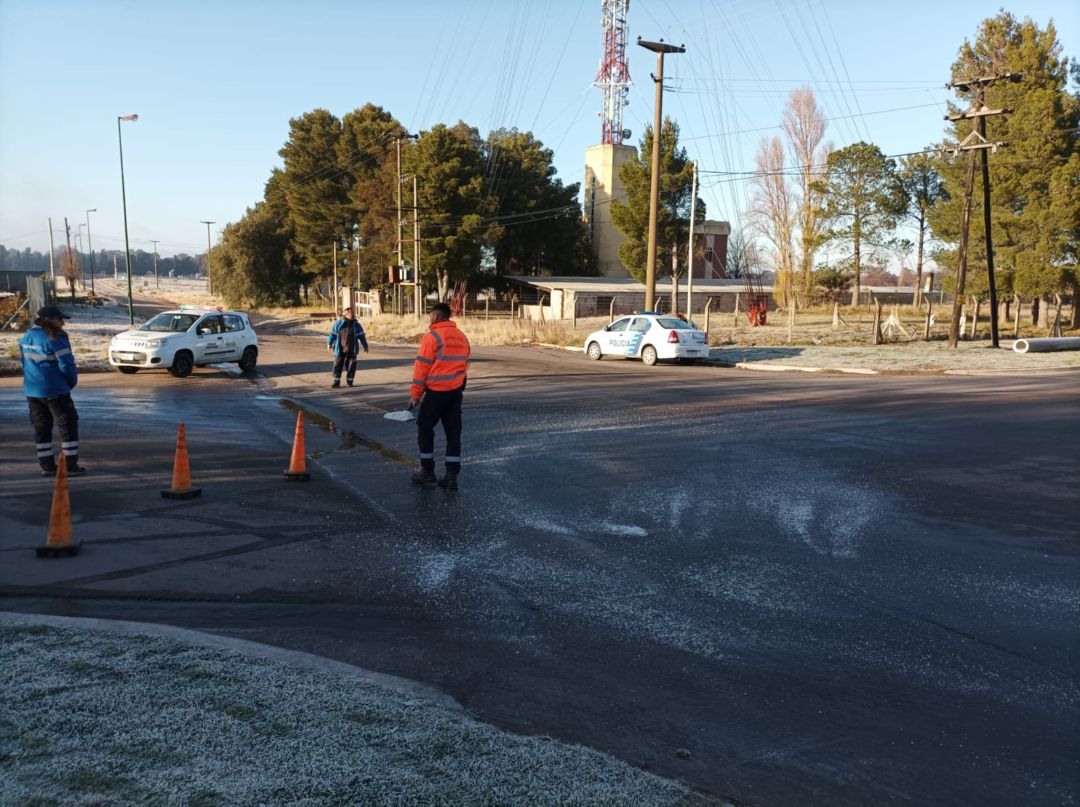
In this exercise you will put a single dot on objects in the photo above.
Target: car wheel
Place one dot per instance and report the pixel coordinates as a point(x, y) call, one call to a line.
point(248, 360)
point(648, 355)
point(594, 351)
point(182, 364)
point(128, 370)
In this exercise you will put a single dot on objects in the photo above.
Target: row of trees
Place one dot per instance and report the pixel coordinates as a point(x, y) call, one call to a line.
point(493, 206)
point(486, 207)
point(866, 209)
point(31, 261)
point(807, 196)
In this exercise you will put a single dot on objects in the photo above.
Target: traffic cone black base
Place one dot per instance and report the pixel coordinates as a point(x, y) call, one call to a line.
point(298, 477)
point(190, 493)
point(66, 551)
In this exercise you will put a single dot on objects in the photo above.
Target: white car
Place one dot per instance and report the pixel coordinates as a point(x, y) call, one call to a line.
point(651, 336)
point(189, 337)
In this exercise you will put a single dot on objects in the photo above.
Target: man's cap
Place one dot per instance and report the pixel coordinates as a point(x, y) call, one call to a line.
point(51, 312)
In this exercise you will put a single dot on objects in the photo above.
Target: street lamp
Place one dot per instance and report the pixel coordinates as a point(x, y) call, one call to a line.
point(209, 285)
point(659, 48)
point(123, 193)
point(90, 248)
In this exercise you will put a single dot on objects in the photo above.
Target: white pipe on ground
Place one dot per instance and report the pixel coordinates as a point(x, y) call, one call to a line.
point(1046, 345)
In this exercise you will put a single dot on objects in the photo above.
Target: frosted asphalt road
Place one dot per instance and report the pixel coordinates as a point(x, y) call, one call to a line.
point(779, 589)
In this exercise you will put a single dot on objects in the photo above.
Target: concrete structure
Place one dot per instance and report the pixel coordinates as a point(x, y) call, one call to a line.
point(602, 185)
point(569, 297)
point(710, 249)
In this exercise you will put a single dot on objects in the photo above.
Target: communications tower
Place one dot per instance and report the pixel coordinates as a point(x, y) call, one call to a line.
point(613, 77)
point(603, 161)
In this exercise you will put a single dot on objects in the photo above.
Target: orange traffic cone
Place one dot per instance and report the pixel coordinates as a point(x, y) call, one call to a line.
point(58, 542)
point(181, 473)
point(298, 464)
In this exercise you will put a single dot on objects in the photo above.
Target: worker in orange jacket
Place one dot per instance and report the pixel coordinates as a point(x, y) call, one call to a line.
point(439, 375)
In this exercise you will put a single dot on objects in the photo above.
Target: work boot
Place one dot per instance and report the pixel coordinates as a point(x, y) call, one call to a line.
point(448, 482)
point(335, 385)
point(425, 477)
point(48, 467)
point(73, 467)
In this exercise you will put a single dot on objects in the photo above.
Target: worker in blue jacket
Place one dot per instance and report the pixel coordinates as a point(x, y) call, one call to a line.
point(345, 340)
point(49, 375)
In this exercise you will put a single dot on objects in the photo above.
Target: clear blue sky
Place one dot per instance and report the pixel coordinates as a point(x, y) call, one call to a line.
point(215, 84)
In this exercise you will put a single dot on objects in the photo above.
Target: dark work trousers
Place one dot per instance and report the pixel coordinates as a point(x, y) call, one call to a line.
point(348, 363)
point(444, 406)
point(44, 412)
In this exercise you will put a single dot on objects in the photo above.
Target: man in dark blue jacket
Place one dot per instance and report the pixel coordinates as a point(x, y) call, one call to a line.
point(345, 340)
point(49, 375)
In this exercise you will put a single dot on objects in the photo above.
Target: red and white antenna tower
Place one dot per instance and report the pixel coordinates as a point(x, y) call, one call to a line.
point(613, 77)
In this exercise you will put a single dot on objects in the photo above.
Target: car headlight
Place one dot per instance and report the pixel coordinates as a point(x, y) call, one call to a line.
point(156, 342)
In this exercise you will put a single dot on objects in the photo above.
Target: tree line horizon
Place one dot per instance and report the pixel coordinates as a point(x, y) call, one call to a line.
point(489, 207)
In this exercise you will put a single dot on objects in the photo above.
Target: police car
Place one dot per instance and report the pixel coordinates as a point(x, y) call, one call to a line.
point(651, 336)
point(189, 337)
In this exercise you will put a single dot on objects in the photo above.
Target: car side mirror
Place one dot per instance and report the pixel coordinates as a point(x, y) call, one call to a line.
point(203, 331)
point(607, 327)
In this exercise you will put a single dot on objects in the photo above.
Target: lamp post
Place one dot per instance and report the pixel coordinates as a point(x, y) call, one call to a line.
point(123, 196)
point(90, 249)
point(659, 48)
point(209, 285)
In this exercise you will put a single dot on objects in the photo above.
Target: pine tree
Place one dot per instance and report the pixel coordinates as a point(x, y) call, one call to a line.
point(448, 162)
point(538, 218)
point(1035, 197)
point(863, 202)
point(673, 215)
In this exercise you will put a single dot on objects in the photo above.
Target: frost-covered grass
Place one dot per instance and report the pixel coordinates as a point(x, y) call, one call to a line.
point(102, 718)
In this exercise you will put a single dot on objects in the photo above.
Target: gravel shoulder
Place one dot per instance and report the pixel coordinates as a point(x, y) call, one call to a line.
point(92, 716)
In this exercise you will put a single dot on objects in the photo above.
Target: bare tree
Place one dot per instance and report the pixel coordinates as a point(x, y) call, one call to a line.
point(69, 267)
point(804, 128)
point(772, 212)
point(743, 255)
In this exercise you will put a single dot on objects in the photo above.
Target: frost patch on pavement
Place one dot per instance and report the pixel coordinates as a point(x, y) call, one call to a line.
point(624, 529)
point(99, 718)
point(435, 571)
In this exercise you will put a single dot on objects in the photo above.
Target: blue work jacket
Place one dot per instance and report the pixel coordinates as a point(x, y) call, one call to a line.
point(48, 365)
point(338, 342)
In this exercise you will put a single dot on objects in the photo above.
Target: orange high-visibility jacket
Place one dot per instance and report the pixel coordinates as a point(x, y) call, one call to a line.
point(443, 359)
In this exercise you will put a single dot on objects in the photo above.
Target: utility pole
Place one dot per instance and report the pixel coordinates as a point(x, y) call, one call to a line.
point(157, 281)
point(416, 247)
point(90, 249)
point(67, 258)
point(335, 289)
point(976, 141)
point(209, 285)
point(690, 248)
point(52, 249)
point(659, 48)
point(399, 181)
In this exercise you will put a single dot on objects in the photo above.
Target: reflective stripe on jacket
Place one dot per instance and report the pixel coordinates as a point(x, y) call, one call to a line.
point(443, 359)
point(351, 343)
point(48, 366)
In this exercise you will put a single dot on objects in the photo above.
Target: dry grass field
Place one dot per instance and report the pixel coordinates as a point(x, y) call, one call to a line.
point(811, 340)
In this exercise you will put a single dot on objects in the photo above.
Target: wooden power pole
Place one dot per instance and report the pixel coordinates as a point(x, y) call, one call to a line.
point(976, 141)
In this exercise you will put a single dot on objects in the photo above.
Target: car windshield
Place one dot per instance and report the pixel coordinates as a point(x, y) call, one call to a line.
point(170, 323)
point(675, 324)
